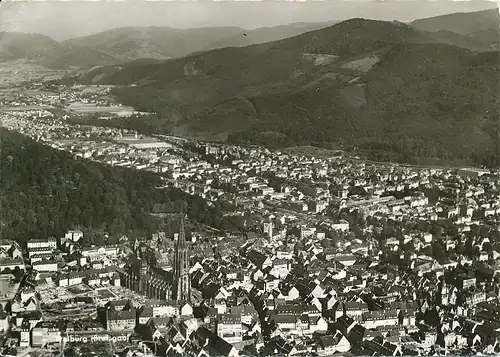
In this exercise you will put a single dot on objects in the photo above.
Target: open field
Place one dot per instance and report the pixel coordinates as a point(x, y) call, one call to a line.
point(82, 108)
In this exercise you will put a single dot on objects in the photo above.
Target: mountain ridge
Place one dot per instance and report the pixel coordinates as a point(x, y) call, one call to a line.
point(125, 44)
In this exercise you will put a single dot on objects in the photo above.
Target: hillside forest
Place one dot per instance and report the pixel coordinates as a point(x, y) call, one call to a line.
point(45, 192)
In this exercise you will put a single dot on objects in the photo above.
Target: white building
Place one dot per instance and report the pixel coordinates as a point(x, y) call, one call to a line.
point(229, 328)
point(42, 243)
point(45, 266)
point(75, 236)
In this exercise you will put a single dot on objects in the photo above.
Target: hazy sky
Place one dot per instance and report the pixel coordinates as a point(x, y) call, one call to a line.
point(65, 19)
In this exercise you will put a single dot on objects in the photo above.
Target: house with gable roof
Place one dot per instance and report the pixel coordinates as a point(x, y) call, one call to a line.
point(331, 344)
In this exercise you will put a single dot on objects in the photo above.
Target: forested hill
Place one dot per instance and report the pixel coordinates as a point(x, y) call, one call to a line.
point(45, 192)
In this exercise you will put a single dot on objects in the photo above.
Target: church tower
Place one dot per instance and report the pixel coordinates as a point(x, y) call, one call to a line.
point(181, 266)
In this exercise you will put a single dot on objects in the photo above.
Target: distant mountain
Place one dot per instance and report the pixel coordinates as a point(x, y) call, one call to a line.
point(130, 43)
point(268, 34)
point(481, 26)
point(463, 23)
point(126, 44)
point(346, 39)
point(45, 51)
point(15, 45)
point(383, 86)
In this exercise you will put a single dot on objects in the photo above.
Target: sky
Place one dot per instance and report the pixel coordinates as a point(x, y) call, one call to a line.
point(61, 19)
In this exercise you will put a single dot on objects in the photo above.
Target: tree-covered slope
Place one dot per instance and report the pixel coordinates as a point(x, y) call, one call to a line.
point(46, 192)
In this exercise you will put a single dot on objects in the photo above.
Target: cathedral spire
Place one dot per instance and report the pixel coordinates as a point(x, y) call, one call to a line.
point(182, 234)
point(181, 265)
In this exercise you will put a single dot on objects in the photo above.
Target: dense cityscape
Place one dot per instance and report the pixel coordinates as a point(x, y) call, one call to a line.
point(336, 255)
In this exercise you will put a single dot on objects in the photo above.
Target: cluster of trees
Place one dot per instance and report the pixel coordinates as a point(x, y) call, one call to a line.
point(281, 137)
point(412, 150)
point(145, 124)
point(45, 192)
point(274, 181)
